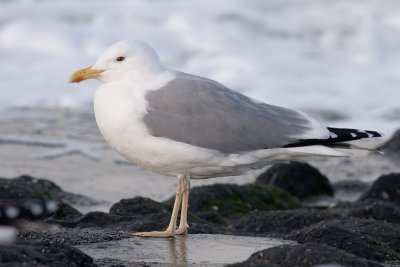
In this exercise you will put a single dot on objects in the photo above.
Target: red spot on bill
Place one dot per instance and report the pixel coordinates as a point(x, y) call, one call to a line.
point(79, 79)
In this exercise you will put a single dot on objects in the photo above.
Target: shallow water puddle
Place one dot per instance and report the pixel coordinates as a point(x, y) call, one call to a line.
point(195, 249)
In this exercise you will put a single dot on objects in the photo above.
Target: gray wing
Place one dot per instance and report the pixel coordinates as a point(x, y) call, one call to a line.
point(204, 113)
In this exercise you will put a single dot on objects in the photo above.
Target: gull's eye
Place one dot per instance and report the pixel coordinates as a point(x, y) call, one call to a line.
point(120, 58)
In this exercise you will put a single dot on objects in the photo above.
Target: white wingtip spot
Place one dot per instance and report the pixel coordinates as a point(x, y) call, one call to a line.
point(353, 135)
point(369, 135)
point(333, 135)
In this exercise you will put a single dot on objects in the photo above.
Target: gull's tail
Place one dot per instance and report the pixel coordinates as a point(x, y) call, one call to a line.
point(338, 138)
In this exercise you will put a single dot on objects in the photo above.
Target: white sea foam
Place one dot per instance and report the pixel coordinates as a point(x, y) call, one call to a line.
point(333, 55)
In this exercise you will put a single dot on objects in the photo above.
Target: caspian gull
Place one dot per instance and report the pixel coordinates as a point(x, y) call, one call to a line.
point(183, 125)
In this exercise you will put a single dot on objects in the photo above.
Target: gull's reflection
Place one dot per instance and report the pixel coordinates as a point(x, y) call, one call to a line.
point(177, 251)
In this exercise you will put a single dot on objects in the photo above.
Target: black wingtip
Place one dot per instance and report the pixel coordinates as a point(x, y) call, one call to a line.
point(375, 134)
point(337, 137)
point(344, 134)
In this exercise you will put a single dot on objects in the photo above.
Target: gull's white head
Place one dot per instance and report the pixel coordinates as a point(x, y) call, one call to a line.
point(125, 60)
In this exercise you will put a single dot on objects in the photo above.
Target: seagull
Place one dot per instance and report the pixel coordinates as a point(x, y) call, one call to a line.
point(178, 124)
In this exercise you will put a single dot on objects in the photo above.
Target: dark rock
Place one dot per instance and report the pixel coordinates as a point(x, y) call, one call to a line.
point(392, 147)
point(28, 209)
point(299, 179)
point(386, 187)
point(376, 209)
point(136, 223)
point(280, 222)
point(27, 187)
point(34, 211)
point(100, 219)
point(154, 216)
point(230, 200)
point(370, 239)
point(159, 222)
point(65, 211)
point(208, 208)
point(93, 219)
point(37, 199)
point(43, 254)
point(137, 205)
point(305, 255)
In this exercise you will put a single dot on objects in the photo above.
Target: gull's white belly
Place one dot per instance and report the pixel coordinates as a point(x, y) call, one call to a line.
point(119, 114)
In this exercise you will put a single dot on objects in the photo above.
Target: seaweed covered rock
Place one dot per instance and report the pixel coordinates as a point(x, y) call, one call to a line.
point(370, 239)
point(386, 187)
point(230, 200)
point(305, 255)
point(280, 221)
point(298, 179)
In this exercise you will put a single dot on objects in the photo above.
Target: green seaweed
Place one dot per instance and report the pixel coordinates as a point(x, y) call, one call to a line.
point(238, 201)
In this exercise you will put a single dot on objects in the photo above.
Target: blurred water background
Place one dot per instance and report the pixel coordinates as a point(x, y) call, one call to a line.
point(338, 57)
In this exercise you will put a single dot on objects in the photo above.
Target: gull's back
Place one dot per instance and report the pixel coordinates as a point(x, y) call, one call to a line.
point(204, 113)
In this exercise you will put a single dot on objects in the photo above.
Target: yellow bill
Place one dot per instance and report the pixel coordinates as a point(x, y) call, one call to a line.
point(84, 74)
